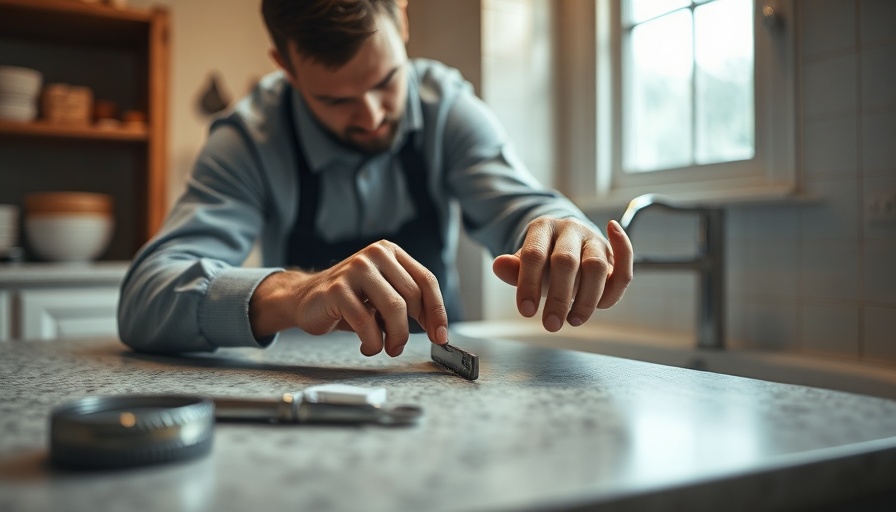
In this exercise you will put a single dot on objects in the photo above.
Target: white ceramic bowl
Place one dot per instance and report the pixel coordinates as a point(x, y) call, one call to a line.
point(18, 112)
point(14, 98)
point(21, 81)
point(69, 237)
point(9, 227)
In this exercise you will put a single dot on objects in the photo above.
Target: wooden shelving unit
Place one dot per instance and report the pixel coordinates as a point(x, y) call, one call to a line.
point(40, 129)
point(122, 55)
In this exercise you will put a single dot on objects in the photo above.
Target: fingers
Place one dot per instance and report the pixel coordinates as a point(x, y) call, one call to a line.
point(533, 262)
point(593, 276)
point(392, 286)
point(623, 266)
point(359, 317)
point(581, 270)
point(565, 261)
point(428, 306)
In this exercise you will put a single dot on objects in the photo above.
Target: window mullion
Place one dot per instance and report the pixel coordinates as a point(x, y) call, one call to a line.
point(693, 85)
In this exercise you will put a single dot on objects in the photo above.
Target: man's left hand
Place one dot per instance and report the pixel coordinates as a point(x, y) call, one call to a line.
point(579, 268)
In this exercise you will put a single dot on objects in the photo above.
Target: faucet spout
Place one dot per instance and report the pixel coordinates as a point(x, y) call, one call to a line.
point(708, 263)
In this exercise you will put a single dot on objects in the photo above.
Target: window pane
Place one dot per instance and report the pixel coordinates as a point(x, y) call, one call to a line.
point(641, 10)
point(724, 81)
point(657, 95)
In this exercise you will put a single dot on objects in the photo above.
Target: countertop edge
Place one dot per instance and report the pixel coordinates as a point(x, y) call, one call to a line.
point(55, 274)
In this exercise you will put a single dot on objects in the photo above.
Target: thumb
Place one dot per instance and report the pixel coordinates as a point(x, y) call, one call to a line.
point(507, 268)
point(623, 253)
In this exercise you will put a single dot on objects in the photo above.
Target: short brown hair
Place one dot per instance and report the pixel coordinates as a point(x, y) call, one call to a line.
point(327, 31)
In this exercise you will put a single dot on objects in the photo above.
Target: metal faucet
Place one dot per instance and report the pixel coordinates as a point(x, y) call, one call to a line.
point(708, 262)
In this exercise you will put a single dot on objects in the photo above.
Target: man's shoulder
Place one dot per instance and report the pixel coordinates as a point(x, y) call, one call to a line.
point(437, 81)
point(261, 111)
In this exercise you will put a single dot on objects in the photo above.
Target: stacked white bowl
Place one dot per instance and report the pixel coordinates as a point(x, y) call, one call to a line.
point(68, 226)
point(19, 92)
point(9, 228)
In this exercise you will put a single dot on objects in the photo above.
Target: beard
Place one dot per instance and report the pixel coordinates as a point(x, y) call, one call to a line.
point(358, 138)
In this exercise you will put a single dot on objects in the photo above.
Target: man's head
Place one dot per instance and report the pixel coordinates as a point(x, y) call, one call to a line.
point(347, 59)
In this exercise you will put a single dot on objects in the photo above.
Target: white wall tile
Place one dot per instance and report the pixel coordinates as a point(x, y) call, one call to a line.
point(830, 146)
point(649, 281)
point(619, 314)
point(828, 25)
point(829, 86)
point(879, 272)
point(736, 322)
point(829, 270)
point(879, 326)
point(772, 269)
point(771, 223)
point(648, 309)
point(837, 216)
point(832, 328)
point(772, 325)
point(879, 75)
point(737, 267)
point(737, 224)
point(681, 305)
point(878, 146)
point(878, 19)
point(877, 185)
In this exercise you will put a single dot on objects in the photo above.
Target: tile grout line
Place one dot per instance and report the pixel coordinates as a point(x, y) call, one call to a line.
point(860, 164)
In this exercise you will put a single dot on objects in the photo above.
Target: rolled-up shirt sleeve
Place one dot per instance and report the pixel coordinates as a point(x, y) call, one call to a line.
point(185, 289)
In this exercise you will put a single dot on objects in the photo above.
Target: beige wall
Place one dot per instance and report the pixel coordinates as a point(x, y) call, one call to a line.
point(451, 33)
point(224, 36)
point(503, 48)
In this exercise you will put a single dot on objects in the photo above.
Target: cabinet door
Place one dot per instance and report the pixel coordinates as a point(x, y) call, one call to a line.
point(68, 313)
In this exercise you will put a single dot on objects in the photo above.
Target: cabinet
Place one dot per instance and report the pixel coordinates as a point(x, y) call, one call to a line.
point(122, 56)
point(45, 301)
point(76, 312)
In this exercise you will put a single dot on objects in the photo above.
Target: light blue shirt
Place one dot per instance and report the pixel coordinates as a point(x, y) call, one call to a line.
point(187, 288)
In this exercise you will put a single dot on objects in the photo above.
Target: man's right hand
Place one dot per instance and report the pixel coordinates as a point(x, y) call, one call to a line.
point(371, 293)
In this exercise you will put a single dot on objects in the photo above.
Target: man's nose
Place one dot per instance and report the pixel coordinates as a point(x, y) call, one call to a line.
point(371, 112)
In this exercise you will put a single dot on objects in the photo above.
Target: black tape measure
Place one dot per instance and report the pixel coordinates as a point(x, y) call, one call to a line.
point(125, 431)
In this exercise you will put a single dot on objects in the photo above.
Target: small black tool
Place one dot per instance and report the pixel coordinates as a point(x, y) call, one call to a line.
point(456, 360)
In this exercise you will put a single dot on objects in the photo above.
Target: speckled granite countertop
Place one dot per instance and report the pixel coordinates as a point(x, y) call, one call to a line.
point(541, 429)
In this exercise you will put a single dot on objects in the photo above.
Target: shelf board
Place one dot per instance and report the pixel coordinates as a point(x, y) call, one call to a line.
point(56, 131)
point(73, 20)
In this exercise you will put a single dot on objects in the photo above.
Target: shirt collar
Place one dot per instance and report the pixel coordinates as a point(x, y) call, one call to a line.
point(320, 148)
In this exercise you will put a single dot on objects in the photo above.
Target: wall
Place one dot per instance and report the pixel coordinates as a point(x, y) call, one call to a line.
point(223, 36)
point(450, 32)
point(817, 277)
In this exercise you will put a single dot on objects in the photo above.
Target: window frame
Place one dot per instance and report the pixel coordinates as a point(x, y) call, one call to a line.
point(772, 173)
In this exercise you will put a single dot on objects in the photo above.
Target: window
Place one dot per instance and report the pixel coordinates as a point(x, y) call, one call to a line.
point(687, 90)
point(694, 99)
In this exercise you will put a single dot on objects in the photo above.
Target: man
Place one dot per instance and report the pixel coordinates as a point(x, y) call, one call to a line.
point(350, 166)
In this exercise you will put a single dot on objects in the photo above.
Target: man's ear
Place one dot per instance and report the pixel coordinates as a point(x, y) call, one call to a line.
point(403, 20)
point(284, 65)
